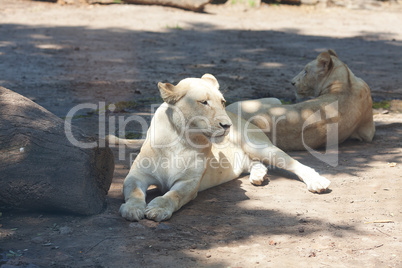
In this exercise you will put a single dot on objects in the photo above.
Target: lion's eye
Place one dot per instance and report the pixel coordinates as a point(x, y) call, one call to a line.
point(305, 73)
point(223, 103)
point(205, 102)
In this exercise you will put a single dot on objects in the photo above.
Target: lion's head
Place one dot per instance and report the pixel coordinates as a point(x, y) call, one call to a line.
point(310, 82)
point(197, 107)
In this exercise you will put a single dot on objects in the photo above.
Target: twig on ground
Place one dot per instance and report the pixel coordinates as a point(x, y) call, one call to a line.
point(380, 221)
point(383, 232)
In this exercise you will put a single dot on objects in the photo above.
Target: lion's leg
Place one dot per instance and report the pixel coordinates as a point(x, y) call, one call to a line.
point(276, 157)
point(314, 181)
point(134, 189)
point(259, 147)
point(365, 132)
point(258, 173)
point(183, 191)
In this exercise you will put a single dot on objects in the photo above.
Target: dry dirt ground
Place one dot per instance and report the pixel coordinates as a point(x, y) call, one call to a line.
point(62, 56)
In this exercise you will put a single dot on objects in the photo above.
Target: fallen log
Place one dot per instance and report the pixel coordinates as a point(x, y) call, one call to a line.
point(40, 169)
point(193, 5)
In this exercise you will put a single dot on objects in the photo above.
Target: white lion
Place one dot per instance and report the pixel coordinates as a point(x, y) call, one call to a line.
point(194, 144)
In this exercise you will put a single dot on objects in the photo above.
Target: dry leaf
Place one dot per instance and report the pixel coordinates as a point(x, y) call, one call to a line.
point(393, 164)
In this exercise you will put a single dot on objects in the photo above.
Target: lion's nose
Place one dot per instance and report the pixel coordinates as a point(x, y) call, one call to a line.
point(293, 83)
point(225, 126)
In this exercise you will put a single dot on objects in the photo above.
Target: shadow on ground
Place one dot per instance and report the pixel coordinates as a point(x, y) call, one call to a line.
point(60, 67)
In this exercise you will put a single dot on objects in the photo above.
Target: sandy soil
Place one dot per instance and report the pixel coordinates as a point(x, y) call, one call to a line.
point(61, 56)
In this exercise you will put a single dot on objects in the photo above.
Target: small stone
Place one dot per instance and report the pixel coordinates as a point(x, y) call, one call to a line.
point(301, 230)
point(103, 222)
point(38, 240)
point(65, 230)
point(208, 255)
point(149, 223)
point(136, 225)
point(163, 226)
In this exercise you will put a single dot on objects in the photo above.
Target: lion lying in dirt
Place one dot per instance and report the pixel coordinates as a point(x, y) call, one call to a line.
point(193, 144)
point(341, 109)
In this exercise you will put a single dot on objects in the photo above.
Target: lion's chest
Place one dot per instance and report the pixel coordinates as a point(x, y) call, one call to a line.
point(223, 165)
point(173, 165)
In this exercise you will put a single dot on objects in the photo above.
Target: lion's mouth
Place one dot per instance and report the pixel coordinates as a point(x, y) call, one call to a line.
point(209, 135)
point(216, 135)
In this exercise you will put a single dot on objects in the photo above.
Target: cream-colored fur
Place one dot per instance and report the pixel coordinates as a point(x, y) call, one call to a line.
point(341, 99)
point(194, 144)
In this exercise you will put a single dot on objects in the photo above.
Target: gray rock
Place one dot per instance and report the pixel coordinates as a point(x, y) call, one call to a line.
point(40, 169)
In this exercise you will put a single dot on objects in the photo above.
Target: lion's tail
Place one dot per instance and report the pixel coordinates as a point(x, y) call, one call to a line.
point(112, 139)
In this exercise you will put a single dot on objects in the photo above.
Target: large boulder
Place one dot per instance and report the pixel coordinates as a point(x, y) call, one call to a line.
point(40, 169)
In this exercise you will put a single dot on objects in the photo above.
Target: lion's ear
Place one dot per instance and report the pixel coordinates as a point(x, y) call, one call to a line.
point(211, 79)
point(332, 53)
point(324, 62)
point(169, 93)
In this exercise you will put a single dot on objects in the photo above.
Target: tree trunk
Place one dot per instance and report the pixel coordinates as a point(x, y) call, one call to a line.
point(40, 169)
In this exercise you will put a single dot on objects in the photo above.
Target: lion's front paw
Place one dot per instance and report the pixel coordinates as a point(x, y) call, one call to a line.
point(258, 179)
point(132, 211)
point(317, 184)
point(157, 214)
point(159, 209)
